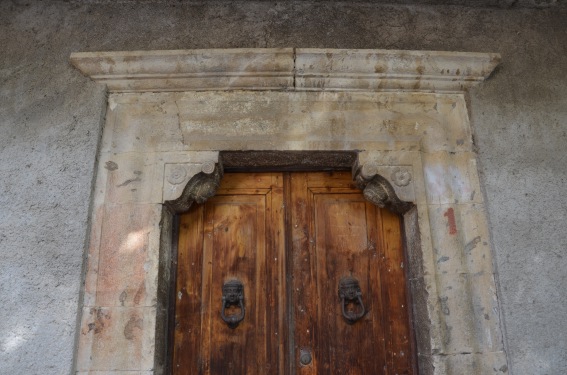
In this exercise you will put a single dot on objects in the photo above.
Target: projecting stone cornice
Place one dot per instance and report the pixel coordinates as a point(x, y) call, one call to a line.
point(286, 69)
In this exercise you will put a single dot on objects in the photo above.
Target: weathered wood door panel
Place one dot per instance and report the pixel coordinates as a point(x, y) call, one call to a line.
point(331, 232)
point(236, 235)
point(337, 234)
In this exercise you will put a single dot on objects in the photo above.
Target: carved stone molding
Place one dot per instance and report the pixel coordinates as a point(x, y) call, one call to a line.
point(179, 170)
point(177, 175)
point(379, 191)
point(183, 70)
point(397, 173)
point(383, 70)
point(200, 187)
point(401, 176)
point(288, 69)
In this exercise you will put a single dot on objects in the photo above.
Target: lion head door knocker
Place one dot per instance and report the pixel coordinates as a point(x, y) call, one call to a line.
point(350, 293)
point(233, 295)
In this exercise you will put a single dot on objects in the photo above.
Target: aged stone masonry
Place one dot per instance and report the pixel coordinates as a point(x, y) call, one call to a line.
point(401, 115)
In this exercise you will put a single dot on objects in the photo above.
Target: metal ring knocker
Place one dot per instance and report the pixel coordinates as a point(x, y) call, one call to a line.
point(349, 292)
point(233, 295)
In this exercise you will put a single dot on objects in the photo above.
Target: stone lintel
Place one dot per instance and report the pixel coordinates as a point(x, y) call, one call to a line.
point(288, 69)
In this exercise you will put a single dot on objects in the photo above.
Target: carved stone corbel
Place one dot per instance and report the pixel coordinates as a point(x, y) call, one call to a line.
point(200, 187)
point(378, 190)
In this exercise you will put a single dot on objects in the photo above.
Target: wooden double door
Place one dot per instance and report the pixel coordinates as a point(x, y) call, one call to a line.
point(290, 239)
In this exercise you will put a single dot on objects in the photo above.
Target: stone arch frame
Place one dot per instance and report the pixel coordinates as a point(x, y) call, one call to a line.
point(203, 186)
point(405, 114)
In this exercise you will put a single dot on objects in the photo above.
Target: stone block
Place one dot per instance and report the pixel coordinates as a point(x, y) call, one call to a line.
point(180, 167)
point(471, 364)
point(487, 325)
point(475, 238)
point(389, 164)
point(116, 338)
point(128, 256)
point(269, 120)
point(462, 244)
point(428, 308)
point(456, 313)
point(132, 177)
point(274, 120)
point(451, 178)
point(144, 124)
point(469, 314)
point(176, 177)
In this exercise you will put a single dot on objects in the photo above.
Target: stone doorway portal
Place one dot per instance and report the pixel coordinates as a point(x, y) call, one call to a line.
point(403, 113)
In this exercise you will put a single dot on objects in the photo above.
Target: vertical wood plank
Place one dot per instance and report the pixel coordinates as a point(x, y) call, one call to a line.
point(290, 349)
point(276, 280)
point(187, 332)
point(237, 252)
point(395, 296)
point(304, 301)
point(344, 248)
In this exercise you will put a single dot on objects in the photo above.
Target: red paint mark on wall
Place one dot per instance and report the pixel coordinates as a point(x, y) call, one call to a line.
point(450, 215)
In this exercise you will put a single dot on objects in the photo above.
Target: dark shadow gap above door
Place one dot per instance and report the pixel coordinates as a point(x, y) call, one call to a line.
point(287, 161)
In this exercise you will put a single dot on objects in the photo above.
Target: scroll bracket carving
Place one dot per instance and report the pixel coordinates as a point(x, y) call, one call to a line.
point(378, 189)
point(202, 184)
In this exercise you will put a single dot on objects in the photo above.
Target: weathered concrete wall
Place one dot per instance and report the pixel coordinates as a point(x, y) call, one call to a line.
point(50, 118)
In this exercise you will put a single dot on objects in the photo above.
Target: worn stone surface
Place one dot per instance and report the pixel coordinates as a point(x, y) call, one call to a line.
point(106, 331)
point(464, 246)
point(128, 255)
point(50, 122)
point(198, 190)
point(245, 120)
point(346, 70)
point(453, 364)
point(390, 163)
point(238, 69)
point(299, 69)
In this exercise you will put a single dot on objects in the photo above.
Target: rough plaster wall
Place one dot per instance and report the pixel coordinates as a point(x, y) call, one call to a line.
point(50, 124)
point(520, 121)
